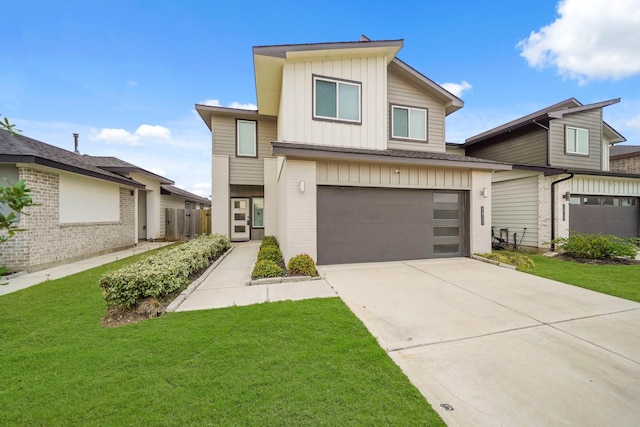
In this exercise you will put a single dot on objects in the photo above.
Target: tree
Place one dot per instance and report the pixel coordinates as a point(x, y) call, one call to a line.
point(13, 199)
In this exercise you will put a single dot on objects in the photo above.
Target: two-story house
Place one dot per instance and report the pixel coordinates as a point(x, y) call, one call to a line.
point(625, 158)
point(560, 182)
point(345, 159)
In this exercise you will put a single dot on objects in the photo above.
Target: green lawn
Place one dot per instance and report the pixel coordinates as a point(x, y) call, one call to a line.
point(619, 280)
point(290, 363)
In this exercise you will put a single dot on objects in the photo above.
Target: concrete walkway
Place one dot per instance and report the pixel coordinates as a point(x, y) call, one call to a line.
point(226, 284)
point(22, 281)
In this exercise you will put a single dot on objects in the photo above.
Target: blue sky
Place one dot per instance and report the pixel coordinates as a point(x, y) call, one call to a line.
point(126, 74)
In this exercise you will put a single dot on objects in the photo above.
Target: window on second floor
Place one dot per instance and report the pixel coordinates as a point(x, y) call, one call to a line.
point(246, 138)
point(577, 140)
point(336, 99)
point(408, 123)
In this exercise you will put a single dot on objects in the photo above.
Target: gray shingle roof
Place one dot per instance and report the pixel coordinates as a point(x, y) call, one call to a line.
point(21, 149)
point(170, 189)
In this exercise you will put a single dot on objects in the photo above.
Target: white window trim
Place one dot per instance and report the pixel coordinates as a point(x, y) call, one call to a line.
point(404, 107)
point(338, 82)
point(566, 142)
point(255, 138)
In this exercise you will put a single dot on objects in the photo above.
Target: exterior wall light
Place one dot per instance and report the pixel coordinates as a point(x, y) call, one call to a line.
point(302, 186)
point(485, 192)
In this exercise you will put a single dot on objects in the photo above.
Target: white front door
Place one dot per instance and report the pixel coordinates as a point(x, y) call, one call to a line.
point(240, 228)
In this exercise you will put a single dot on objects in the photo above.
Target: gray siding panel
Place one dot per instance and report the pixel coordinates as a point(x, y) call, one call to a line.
point(529, 148)
point(243, 170)
point(591, 120)
point(515, 206)
point(400, 92)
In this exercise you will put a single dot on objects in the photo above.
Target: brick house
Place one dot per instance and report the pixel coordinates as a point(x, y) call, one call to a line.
point(86, 205)
point(625, 158)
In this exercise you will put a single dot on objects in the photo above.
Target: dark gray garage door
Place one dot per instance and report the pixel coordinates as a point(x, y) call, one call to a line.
point(619, 216)
point(383, 224)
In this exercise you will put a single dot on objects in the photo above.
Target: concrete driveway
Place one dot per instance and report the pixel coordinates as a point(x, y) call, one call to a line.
point(490, 346)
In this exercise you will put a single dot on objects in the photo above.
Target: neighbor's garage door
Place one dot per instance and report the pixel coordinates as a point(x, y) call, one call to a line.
point(619, 216)
point(382, 224)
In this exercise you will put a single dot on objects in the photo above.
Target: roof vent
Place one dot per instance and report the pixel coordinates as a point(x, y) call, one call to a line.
point(75, 143)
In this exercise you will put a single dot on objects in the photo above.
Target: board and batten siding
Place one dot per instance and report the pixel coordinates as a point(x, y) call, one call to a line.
point(514, 205)
point(243, 170)
point(295, 120)
point(401, 92)
point(606, 186)
point(528, 148)
point(375, 175)
point(592, 120)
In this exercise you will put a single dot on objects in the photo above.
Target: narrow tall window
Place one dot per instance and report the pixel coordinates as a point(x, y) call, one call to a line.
point(408, 123)
point(577, 140)
point(336, 99)
point(246, 144)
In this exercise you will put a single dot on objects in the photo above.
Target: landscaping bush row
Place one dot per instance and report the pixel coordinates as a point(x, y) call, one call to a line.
point(270, 263)
point(163, 273)
point(598, 246)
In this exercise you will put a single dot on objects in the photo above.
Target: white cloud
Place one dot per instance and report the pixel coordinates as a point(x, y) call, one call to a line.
point(211, 102)
point(590, 40)
point(243, 106)
point(132, 83)
point(634, 122)
point(149, 131)
point(247, 106)
point(457, 88)
point(126, 137)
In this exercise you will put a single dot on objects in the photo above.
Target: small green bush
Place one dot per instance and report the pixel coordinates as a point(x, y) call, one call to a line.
point(302, 265)
point(162, 273)
point(597, 246)
point(271, 253)
point(269, 241)
point(266, 268)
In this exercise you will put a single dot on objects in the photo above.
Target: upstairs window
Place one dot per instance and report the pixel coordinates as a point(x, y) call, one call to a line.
point(577, 140)
point(408, 123)
point(246, 138)
point(336, 99)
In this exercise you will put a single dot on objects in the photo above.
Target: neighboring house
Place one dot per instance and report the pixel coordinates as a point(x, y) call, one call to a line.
point(625, 158)
point(149, 203)
point(560, 182)
point(86, 205)
point(83, 209)
point(345, 159)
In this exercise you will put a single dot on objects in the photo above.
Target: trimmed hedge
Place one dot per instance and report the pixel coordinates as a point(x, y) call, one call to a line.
point(302, 265)
point(162, 273)
point(271, 253)
point(269, 241)
point(266, 268)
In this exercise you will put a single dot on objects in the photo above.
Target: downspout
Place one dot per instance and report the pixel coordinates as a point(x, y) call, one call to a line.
point(553, 206)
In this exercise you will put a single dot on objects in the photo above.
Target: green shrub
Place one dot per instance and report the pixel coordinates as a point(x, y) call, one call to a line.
point(269, 241)
point(271, 253)
point(302, 265)
point(266, 268)
point(162, 273)
point(510, 257)
point(597, 246)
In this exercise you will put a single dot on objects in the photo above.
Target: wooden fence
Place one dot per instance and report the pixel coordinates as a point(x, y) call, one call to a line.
point(186, 224)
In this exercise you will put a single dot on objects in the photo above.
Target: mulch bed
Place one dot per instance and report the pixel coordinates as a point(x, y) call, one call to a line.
point(610, 261)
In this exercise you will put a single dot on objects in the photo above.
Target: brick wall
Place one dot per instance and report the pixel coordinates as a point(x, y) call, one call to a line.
point(47, 242)
point(628, 164)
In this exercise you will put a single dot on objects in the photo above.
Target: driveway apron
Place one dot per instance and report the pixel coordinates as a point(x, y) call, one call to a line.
point(490, 346)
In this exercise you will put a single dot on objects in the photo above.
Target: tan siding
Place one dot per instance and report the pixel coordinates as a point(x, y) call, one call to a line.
point(605, 186)
point(401, 92)
point(528, 148)
point(372, 175)
point(591, 120)
point(243, 170)
point(514, 206)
